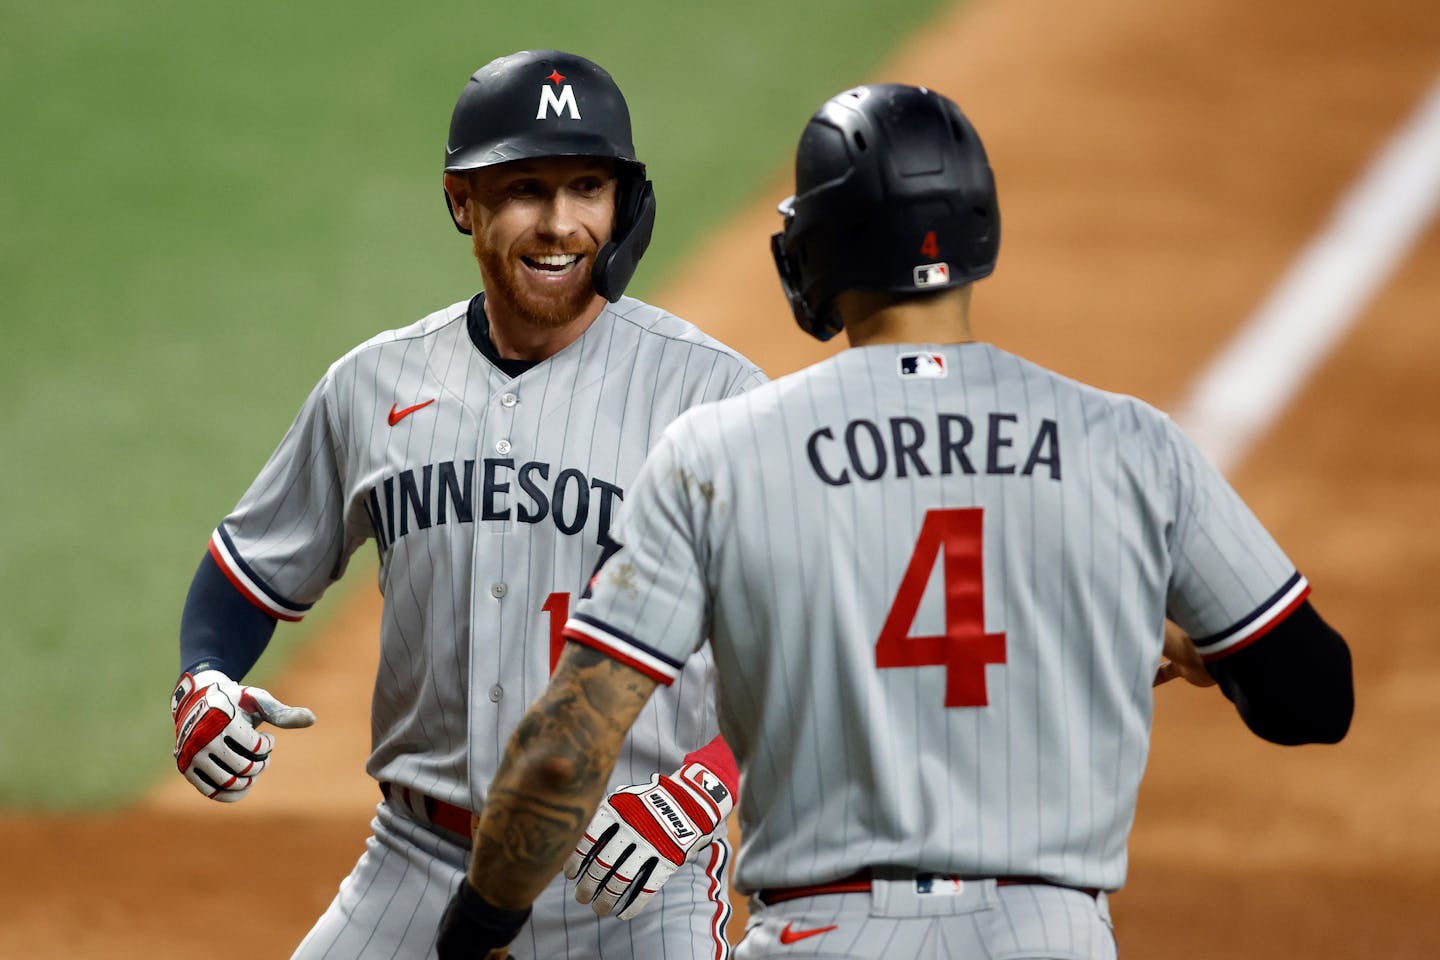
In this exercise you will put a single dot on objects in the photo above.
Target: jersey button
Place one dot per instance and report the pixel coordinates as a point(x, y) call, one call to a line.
point(509, 400)
point(502, 447)
point(497, 590)
point(496, 692)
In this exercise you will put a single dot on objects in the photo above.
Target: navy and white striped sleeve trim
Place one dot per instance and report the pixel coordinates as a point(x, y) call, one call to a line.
point(623, 647)
point(257, 591)
point(1257, 624)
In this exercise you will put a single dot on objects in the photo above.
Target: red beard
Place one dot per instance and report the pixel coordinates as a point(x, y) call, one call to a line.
point(538, 309)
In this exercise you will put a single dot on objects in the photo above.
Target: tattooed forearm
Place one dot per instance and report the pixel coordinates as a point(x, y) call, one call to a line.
point(571, 735)
point(528, 837)
point(554, 773)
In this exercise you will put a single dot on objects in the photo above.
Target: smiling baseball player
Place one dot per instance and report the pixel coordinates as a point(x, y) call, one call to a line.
point(935, 577)
point(486, 450)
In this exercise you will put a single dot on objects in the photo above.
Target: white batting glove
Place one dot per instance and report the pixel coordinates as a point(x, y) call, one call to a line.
point(217, 747)
point(642, 834)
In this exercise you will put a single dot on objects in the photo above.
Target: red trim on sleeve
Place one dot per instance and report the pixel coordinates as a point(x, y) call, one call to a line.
point(1275, 621)
point(572, 634)
point(268, 609)
point(716, 757)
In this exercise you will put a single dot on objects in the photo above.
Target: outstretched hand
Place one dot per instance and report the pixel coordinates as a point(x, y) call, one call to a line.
point(217, 746)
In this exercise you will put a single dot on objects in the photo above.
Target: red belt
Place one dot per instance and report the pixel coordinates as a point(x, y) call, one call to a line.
point(448, 817)
point(859, 882)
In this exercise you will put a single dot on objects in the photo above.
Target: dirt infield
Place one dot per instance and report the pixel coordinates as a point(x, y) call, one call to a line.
point(1159, 165)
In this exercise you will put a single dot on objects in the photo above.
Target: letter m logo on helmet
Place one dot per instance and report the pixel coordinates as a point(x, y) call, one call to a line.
point(561, 103)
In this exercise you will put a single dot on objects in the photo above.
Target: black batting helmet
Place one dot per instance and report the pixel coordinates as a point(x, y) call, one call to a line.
point(545, 103)
point(893, 191)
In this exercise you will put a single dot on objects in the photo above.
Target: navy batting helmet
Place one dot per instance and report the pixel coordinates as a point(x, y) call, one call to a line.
point(893, 192)
point(545, 103)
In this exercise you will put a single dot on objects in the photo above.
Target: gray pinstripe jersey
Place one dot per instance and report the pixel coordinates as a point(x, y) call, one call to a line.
point(490, 497)
point(935, 580)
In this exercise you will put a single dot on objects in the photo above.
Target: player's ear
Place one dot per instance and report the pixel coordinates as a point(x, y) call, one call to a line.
point(457, 189)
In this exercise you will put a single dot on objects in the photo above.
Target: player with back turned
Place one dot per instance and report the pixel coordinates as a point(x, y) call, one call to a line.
point(935, 577)
point(486, 450)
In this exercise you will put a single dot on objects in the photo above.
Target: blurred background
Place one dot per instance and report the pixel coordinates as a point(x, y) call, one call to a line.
point(204, 206)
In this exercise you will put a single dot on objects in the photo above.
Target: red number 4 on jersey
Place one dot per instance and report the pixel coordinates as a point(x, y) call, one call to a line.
point(964, 648)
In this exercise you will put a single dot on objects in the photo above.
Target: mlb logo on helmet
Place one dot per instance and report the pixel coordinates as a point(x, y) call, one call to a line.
point(925, 365)
point(932, 274)
point(564, 102)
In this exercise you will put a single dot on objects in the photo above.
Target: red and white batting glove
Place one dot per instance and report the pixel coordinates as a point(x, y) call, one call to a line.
point(217, 747)
point(642, 834)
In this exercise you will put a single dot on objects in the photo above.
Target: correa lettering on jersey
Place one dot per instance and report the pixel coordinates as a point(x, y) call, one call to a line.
point(448, 492)
point(953, 443)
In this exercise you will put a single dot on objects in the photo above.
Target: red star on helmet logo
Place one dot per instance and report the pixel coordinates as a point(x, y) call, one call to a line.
point(555, 77)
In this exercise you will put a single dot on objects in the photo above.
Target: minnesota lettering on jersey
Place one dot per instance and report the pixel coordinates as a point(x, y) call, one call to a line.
point(903, 446)
point(441, 493)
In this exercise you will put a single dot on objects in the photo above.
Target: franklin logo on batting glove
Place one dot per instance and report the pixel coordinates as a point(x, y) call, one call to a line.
point(642, 834)
point(679, 827)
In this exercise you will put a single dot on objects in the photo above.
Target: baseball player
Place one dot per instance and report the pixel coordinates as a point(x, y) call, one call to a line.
point(935, 578)
point(486, 450)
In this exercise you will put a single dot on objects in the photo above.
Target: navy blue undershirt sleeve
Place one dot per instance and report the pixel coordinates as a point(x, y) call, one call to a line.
point(221, 629)
point(1295, 684)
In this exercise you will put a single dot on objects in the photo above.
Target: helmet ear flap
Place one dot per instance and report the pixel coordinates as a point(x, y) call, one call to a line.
point(821, 327)
point(790, 283)
point(615, 262)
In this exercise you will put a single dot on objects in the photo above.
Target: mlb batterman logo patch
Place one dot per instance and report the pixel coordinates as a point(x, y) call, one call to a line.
point(932, 274)
point(936, 885)
point(930, 366)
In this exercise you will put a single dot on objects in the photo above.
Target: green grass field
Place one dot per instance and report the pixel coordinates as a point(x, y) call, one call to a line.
point(203, 206)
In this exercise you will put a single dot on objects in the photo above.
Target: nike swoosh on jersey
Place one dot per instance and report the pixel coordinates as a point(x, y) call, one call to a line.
point(789, 935)
point(397, 415)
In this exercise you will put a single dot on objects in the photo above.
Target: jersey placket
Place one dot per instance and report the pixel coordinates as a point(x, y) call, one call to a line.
point(492, 688)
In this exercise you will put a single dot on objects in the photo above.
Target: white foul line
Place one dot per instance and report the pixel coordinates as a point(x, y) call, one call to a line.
point(1247, 386)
